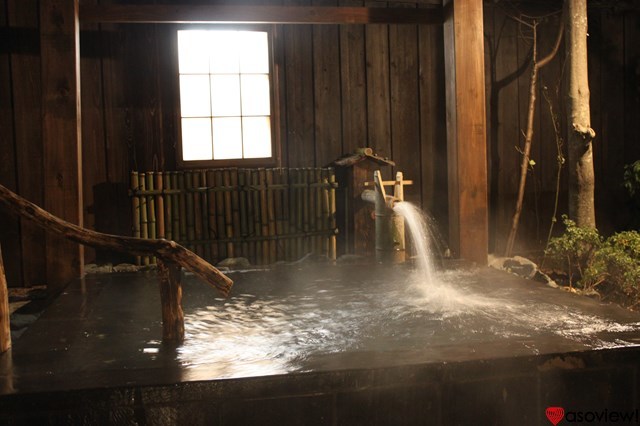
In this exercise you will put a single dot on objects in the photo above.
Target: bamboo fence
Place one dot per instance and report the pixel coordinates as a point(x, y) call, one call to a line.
point(265, 215)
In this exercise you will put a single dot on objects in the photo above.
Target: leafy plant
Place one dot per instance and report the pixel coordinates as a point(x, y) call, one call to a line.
point(592, 260)
point(631, 180)
point(574, 251)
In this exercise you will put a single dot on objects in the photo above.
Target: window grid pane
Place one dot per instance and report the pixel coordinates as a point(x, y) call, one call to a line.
point(232, 94)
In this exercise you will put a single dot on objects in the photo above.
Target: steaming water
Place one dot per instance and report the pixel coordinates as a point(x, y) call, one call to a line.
point(282, 321)
point(296, 320)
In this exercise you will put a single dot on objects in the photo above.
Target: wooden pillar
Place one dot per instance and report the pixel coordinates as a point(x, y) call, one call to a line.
point(466, 129)
point(170, 276)
point(60, 59)
point(5, 329)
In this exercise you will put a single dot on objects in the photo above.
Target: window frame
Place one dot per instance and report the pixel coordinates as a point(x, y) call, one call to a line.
point(275, 159)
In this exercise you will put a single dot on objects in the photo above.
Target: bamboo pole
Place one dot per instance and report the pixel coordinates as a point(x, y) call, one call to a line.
point(235, 211)
point(257, 226)
point(286, 220)
point(183, 207)
point(151, 210)
point(264, 217)
point(271, 215)
point(318, 219)
point(135, 186)
point(203, 212)
point(220, 225)
point(228, 215)
point(244, 225)
point(211, 210)
point(191, 228)
point(5, 328)
point(251, 231)
point(144, 224)
point(278, 212)
point(305, 210)
point(175, 207)
point(325, 213)
point(168, 206)
point(332, 215)
point(197, 211)
point(161, 232)
point(299, 207)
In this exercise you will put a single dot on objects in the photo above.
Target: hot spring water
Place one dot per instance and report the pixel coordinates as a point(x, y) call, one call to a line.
point(305, 318)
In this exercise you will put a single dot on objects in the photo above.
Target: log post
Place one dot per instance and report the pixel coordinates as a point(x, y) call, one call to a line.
point(5, 330)
point(171, 300)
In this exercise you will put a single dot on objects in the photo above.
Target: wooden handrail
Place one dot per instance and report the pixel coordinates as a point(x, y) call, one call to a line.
point(170, 255)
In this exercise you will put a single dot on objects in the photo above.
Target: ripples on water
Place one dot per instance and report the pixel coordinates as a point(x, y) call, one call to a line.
point(266, 330)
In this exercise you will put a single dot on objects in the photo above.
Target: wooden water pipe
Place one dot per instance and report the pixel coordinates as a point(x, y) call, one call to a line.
point(390, 240)
point(171, 257)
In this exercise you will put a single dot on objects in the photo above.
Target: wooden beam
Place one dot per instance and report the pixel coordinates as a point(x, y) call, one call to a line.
point(466, 129)
point(60, 62)
point(135, 14)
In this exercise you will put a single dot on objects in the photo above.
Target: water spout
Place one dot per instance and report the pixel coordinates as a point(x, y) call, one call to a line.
point(419, 231)
point(390, 240)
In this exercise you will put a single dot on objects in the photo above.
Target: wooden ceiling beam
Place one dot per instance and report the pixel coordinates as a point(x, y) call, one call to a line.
point(136, 14)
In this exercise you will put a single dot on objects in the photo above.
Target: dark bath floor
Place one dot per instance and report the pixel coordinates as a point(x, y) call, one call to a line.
point(105, 331)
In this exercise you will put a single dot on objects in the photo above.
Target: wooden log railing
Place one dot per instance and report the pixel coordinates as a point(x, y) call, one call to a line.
point(170, 255)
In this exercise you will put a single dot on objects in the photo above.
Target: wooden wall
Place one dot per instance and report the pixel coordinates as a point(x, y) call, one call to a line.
point(341, 87)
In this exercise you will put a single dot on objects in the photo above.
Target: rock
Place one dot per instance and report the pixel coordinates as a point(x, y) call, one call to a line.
point(125, 267)
point(92, 268)
point(235, 263)
point(521, 266)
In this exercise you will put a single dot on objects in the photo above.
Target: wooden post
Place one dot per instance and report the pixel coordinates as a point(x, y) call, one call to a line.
point(5, 330)
point(466, 129)
point(171, 301)
point(61, 133)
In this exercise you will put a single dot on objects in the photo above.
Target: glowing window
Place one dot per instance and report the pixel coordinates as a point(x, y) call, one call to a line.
point(225, 95)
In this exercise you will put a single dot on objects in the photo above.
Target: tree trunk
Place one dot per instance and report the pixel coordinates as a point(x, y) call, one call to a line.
point(579, 131)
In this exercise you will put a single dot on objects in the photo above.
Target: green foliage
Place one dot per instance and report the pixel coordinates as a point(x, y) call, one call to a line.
point(631, 180)
point(591, 260)
point(574, 250)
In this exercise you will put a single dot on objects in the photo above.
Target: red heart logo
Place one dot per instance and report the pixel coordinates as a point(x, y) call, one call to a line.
point(555, 414)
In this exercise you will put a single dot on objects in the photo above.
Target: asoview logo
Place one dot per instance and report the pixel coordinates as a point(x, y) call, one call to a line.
point(557, 414)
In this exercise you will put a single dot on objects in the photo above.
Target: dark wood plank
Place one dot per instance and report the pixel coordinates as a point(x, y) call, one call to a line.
point(353, 84)
point(256, 14)
point(27, 103)
point(378, 97)
point(612, 106)
point(61, 133)
point(94, 161)
point(117, 113)
point(632, 86)
point(466, 129)
point(432, 123)
point(405, 106)
point(9, 225)
point(299, 96)
point(327, 104)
